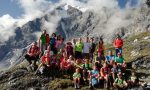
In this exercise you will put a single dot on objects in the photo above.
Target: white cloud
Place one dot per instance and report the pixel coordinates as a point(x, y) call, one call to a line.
point(37, 8)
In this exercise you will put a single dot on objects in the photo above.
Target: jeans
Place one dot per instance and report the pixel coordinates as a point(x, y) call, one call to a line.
point(118, 50)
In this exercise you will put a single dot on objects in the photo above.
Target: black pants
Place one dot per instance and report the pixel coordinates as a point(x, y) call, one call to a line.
point(78, 55)
point(31, 58)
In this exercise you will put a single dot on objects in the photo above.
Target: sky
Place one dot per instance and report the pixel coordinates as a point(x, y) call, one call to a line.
point(12, 8)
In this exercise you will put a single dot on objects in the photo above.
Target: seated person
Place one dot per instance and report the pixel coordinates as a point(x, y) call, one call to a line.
point(133, 81)
point(44, 67)
point(87, 66)
point(106, 74)
point(114, 71)
point(120, 61)
point(120, 82)
point(49, 50)
point(33, 54)
point(76, 78)
point(94, 77)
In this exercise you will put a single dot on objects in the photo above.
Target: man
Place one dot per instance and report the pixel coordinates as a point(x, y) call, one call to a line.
point(118, 43)
point(110, 56)
point(92, 48)
point(120, 83)
point(43, 41)
point(86, 48)
point(33, 54)
point(78, 49)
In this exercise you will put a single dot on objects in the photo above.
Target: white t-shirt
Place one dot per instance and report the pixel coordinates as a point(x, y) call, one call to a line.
point(86, 47)
point(51, 52)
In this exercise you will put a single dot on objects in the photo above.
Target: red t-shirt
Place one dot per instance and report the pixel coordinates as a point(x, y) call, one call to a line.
point(44, 58)
point(118, 43)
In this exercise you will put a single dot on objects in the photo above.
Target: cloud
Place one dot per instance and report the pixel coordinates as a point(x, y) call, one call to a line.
point(6, 27)
point(37, 8)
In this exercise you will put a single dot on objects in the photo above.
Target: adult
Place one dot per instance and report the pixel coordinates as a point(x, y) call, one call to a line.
point(33, 54)
point(92, 48)
point(69, 49)
point(118, 43)
point(120, 82)
point(78, 49)
point(43, 41)
point(86, 49)
point(110, 56)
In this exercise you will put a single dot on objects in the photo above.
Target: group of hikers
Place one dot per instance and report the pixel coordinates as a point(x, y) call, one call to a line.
point(82, 59)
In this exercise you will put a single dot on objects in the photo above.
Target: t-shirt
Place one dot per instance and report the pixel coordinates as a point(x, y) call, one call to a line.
point(86, 47)
point(79, 47)
point(119, 59)
point(95, 73)
point(108, 58)
point(114, 70)
point(119, 81)
point(76, 75)
point(87, 66)
point(50, 52)
point(43, 39)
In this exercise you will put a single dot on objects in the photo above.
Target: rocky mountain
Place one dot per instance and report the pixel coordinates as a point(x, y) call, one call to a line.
point(73, 22)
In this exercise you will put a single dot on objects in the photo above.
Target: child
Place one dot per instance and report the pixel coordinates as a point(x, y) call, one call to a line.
point(94, 77)
point(87, 66)
point(76, 78)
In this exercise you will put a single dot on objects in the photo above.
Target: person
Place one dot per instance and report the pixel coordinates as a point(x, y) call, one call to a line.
point(69, 49)
point(44, 67)
point(62, 44)
point(43, 41)
point(100, 51)
point(76, 78)
point(120, 82)
point(54, 66)
point(118, 43)
point(92, 48)
point(49, 51)
point(105, 74)
point(53, 43)
point(87, 66)
point(64, 65)
point(110, 56)
point(33, 54)
point(133, 80)
point(78, 49)
point(94, 77)
point(86, 49)
point(47, 40)
point(114, 71)
point(120, 62)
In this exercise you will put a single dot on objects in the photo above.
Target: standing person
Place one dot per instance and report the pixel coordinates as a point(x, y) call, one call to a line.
point(92, 48)
point(43, 41)
point(118, 43)
point(100, 50)
point(53, 42)
point(69, 49)
point(78, 49)
point(86, 48)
